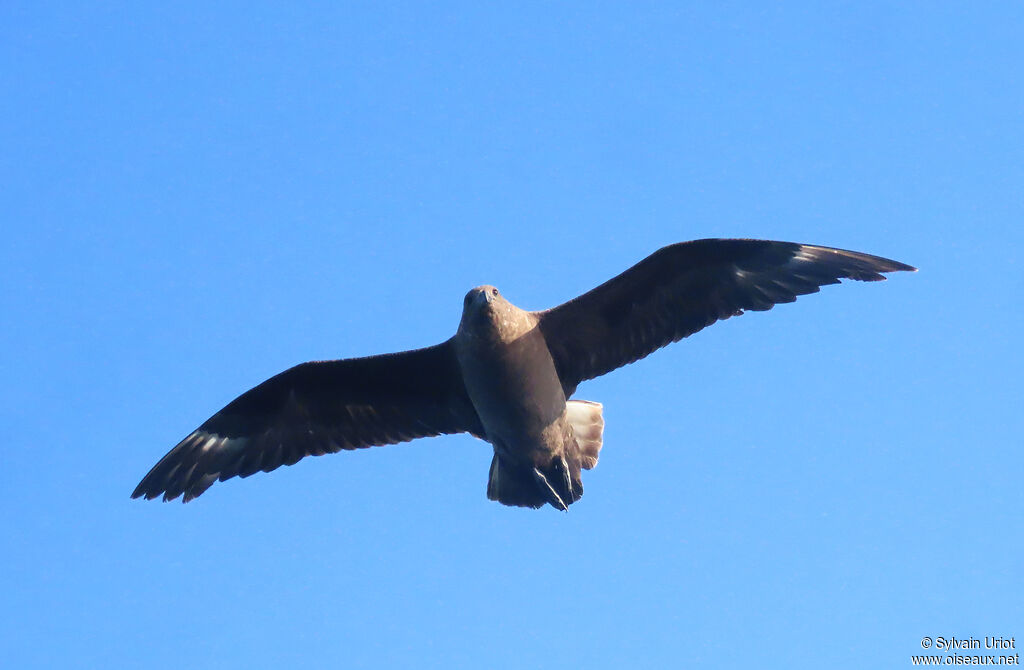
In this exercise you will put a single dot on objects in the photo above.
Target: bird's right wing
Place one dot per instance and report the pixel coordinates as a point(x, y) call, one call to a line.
point(683, 288)
point(318, 408)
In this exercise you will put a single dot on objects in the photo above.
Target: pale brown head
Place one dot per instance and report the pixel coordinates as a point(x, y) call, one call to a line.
point(486, 314)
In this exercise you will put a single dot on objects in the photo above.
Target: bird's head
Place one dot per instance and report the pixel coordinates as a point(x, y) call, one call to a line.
point(482, 310)
point(480, 300)
point(487, 316)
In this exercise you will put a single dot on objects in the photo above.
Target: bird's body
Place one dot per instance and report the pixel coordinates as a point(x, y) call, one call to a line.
point(512, 382)
point(507, 374)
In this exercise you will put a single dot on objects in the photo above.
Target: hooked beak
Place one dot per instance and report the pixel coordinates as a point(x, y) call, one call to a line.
point(483, 298)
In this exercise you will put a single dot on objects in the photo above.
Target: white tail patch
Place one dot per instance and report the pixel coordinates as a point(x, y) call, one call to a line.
point(588, 426)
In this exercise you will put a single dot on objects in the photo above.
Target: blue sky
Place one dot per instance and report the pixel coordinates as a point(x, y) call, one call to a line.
point(195, 198)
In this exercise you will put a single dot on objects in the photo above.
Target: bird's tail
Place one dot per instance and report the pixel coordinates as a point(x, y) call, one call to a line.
point(558, 482)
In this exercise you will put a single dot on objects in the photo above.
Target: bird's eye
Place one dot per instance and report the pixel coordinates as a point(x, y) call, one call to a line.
point(494, 291)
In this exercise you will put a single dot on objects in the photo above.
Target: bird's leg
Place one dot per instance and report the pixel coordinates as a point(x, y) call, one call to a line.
point(566, 475)
point(549, 490)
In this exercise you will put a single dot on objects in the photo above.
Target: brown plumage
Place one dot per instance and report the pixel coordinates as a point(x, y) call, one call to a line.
point(506, 375)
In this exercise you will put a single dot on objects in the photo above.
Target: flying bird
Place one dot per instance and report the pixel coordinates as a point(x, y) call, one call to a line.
point(507, 374)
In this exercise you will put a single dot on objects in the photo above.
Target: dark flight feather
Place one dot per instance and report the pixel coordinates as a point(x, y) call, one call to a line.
point(318, 408)
point(683, 288)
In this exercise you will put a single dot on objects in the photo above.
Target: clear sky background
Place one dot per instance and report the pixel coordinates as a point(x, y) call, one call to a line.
point(194, 198)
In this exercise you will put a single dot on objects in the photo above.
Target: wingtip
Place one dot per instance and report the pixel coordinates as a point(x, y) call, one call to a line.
point(141, 491)
point(900, 267)
point(870, 264)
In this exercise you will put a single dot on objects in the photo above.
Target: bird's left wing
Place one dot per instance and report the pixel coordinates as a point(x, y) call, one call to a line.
point(318, 408)
point(683, 288)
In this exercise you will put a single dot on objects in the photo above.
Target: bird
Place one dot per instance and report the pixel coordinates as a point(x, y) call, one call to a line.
point(507, 376)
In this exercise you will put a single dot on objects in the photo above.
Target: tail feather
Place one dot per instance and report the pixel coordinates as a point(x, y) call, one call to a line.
point(513, 486)
point(559, 483)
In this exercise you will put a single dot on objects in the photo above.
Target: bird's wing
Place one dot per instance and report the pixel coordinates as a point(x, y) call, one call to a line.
point(683, 288)
point(317, 408)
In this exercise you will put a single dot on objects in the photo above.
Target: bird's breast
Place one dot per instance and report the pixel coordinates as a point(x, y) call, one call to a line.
point(514, 387)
